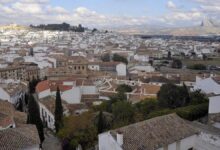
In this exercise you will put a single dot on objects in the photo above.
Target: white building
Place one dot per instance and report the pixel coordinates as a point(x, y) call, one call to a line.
point(207, 85)
point(211, 86)
point(141, 58)
point(114, 67)
point(141, 69)
point(214, 104)
point(121, 69)
point(71, 91)
point(168, 132)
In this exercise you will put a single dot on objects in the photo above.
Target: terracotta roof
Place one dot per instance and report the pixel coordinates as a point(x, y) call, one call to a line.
point(6, 108)
point(155, 133)
point(52, 85)
point(42, 86)
point(20, 117)
point(5, 120)
point(23, 137)
point(150, 89)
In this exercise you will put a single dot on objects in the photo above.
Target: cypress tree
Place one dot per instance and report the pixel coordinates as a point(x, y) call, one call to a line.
point(58, 111)
point(20, 105)
point(100, 124)
point(34, 116)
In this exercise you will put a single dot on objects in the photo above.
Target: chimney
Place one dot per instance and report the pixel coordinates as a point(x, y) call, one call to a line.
point(120, 138)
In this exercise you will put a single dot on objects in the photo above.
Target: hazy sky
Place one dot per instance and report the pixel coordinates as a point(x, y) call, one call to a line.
point(103, 13)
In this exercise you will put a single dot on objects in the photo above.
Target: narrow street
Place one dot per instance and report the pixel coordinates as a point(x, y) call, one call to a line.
point(51, 142)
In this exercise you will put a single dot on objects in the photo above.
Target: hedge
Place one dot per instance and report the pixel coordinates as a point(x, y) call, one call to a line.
point(192, 112)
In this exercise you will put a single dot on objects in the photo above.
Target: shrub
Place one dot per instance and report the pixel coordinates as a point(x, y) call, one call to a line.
point(124, 88)
point(160, 113)
point(193, 112)
point(146, 106)
point(119, 58)
point(177, 64)
point(197, 67)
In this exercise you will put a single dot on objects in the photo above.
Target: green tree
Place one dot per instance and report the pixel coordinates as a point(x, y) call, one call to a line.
point(33, 83)
point(58, 111)
point(101, 122)
point(120, 96)
point(106, 57)
point(169, 55)
point(197, 97)
point(185, 94)
point(177, 64)
point(197, 67)
point(171, 96)
point(123, 113)
point(31, 53)
point(151, 62)
point(124, 88)
point(20, 105)
point(34, 116)
point(79, 130)
point(146, 106)
point(119, 58)
point(204, 57)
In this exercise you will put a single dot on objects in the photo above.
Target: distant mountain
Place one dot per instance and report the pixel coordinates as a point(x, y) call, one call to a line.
point(207, 27)
point(13, 27)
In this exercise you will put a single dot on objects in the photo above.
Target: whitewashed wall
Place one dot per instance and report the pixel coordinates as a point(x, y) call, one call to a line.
point(184, 144)
point(89, 90)
point(121, 69)
point(107, 142)
point(44, 94)
point(207, 85)
point(45, 116)
point(214, 104)
point(203, 144)
point(72, 96)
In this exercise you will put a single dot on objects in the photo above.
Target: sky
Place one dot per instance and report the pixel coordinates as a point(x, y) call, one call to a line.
point(109, 13)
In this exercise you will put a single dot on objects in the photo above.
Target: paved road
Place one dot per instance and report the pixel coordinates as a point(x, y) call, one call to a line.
point(51, 142)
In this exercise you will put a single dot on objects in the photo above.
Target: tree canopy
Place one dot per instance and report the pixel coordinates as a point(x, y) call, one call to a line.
point(123, 113)
point(177, 64)
point(172, 96)
point(124, 88)
point(197, 67)
point(106, 57)
point(78, 130)
point(60, 27)
point(119, 58)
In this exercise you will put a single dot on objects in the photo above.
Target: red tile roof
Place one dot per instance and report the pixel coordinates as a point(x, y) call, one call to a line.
point(42, 86)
